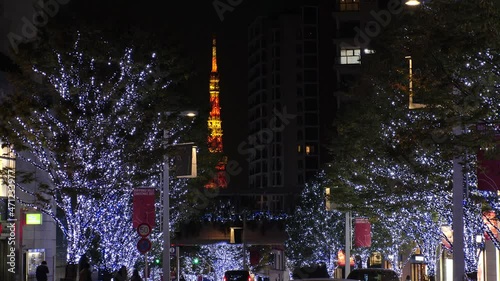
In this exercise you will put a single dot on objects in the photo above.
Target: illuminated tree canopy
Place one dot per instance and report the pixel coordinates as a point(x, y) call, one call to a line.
point(314, 234)
point(93, 119)
point(390, 159)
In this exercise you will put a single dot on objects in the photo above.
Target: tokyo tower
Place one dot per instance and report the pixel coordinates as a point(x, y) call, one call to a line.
point(215, 124)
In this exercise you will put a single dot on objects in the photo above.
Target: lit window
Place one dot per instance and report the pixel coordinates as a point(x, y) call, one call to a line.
point(349, 5)
point(309, 149)
point(350, 56)
point(369, 51)
point(299, 148)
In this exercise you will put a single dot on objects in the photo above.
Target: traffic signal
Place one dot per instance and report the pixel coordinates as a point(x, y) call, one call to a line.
point(157, 261)
point(196, 260)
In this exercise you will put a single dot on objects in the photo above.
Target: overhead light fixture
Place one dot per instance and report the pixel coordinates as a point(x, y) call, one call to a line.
point(189, 113)
point(412, 2)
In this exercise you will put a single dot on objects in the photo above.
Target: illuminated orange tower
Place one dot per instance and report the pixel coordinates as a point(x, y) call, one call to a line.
point(214, 121)
point(215, 124)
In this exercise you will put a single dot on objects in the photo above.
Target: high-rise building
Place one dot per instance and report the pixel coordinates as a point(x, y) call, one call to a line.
point(302, 60)
point(289, 84)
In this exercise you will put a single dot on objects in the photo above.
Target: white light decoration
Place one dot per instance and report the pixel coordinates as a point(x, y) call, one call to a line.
point(96, 147)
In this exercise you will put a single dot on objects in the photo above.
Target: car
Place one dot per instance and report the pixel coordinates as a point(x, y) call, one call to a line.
point(238, 275)
point(373, 274)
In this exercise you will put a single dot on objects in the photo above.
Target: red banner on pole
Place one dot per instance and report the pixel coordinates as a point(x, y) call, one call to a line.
point(362, 233)
point(143, 207)
point(488, 173)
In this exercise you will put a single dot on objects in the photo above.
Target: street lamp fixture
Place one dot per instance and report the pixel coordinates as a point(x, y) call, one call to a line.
point(412, 2)
point(189, 113)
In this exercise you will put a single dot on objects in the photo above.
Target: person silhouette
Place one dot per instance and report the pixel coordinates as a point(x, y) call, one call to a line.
point(41, 271)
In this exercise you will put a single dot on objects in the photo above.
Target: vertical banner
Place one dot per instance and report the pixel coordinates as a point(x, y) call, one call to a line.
point(254, 257)
point(143, 207)
point(362, 232)
point(488, 173)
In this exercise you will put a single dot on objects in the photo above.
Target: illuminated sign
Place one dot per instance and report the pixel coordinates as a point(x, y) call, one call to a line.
point(33, 218)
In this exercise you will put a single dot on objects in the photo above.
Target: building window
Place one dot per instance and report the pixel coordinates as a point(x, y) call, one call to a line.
point(276, 201)
point(300, 179)
point(310, 32)
point(309, 14)
point(276, 36)
point(300, 120)
point(310, 62)
point(276, 179)
point(299, 49)
point(349, 5)
point(310, 47)
point(276, 65)
point(276, 79)
point(276, 51)
point(309, 149)
point(300, 135)
point(350, 56)
point(348, 29)
point(262, 203)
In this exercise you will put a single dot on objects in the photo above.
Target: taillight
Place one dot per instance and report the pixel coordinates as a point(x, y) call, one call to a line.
point(249, 278)
point(224, 279)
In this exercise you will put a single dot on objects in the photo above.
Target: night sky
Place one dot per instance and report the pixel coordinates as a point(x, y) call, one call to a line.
point(192, 24)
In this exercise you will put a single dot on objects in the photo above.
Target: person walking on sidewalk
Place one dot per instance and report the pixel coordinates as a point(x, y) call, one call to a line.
point(41, 271)
point(122, 274)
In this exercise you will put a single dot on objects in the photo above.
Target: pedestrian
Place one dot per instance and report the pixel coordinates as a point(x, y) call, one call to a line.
point(41, 271)
point(135, 276)
point(85, 274)
point(121, 275)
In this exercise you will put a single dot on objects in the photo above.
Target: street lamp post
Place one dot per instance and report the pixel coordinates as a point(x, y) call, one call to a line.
point(166, 220)
point(458, 190)
point(166, 205)
point(348, 221)
point(458, 217)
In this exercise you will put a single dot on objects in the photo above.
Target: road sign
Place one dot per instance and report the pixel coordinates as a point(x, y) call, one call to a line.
point(143, 245)
point(144, 229)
